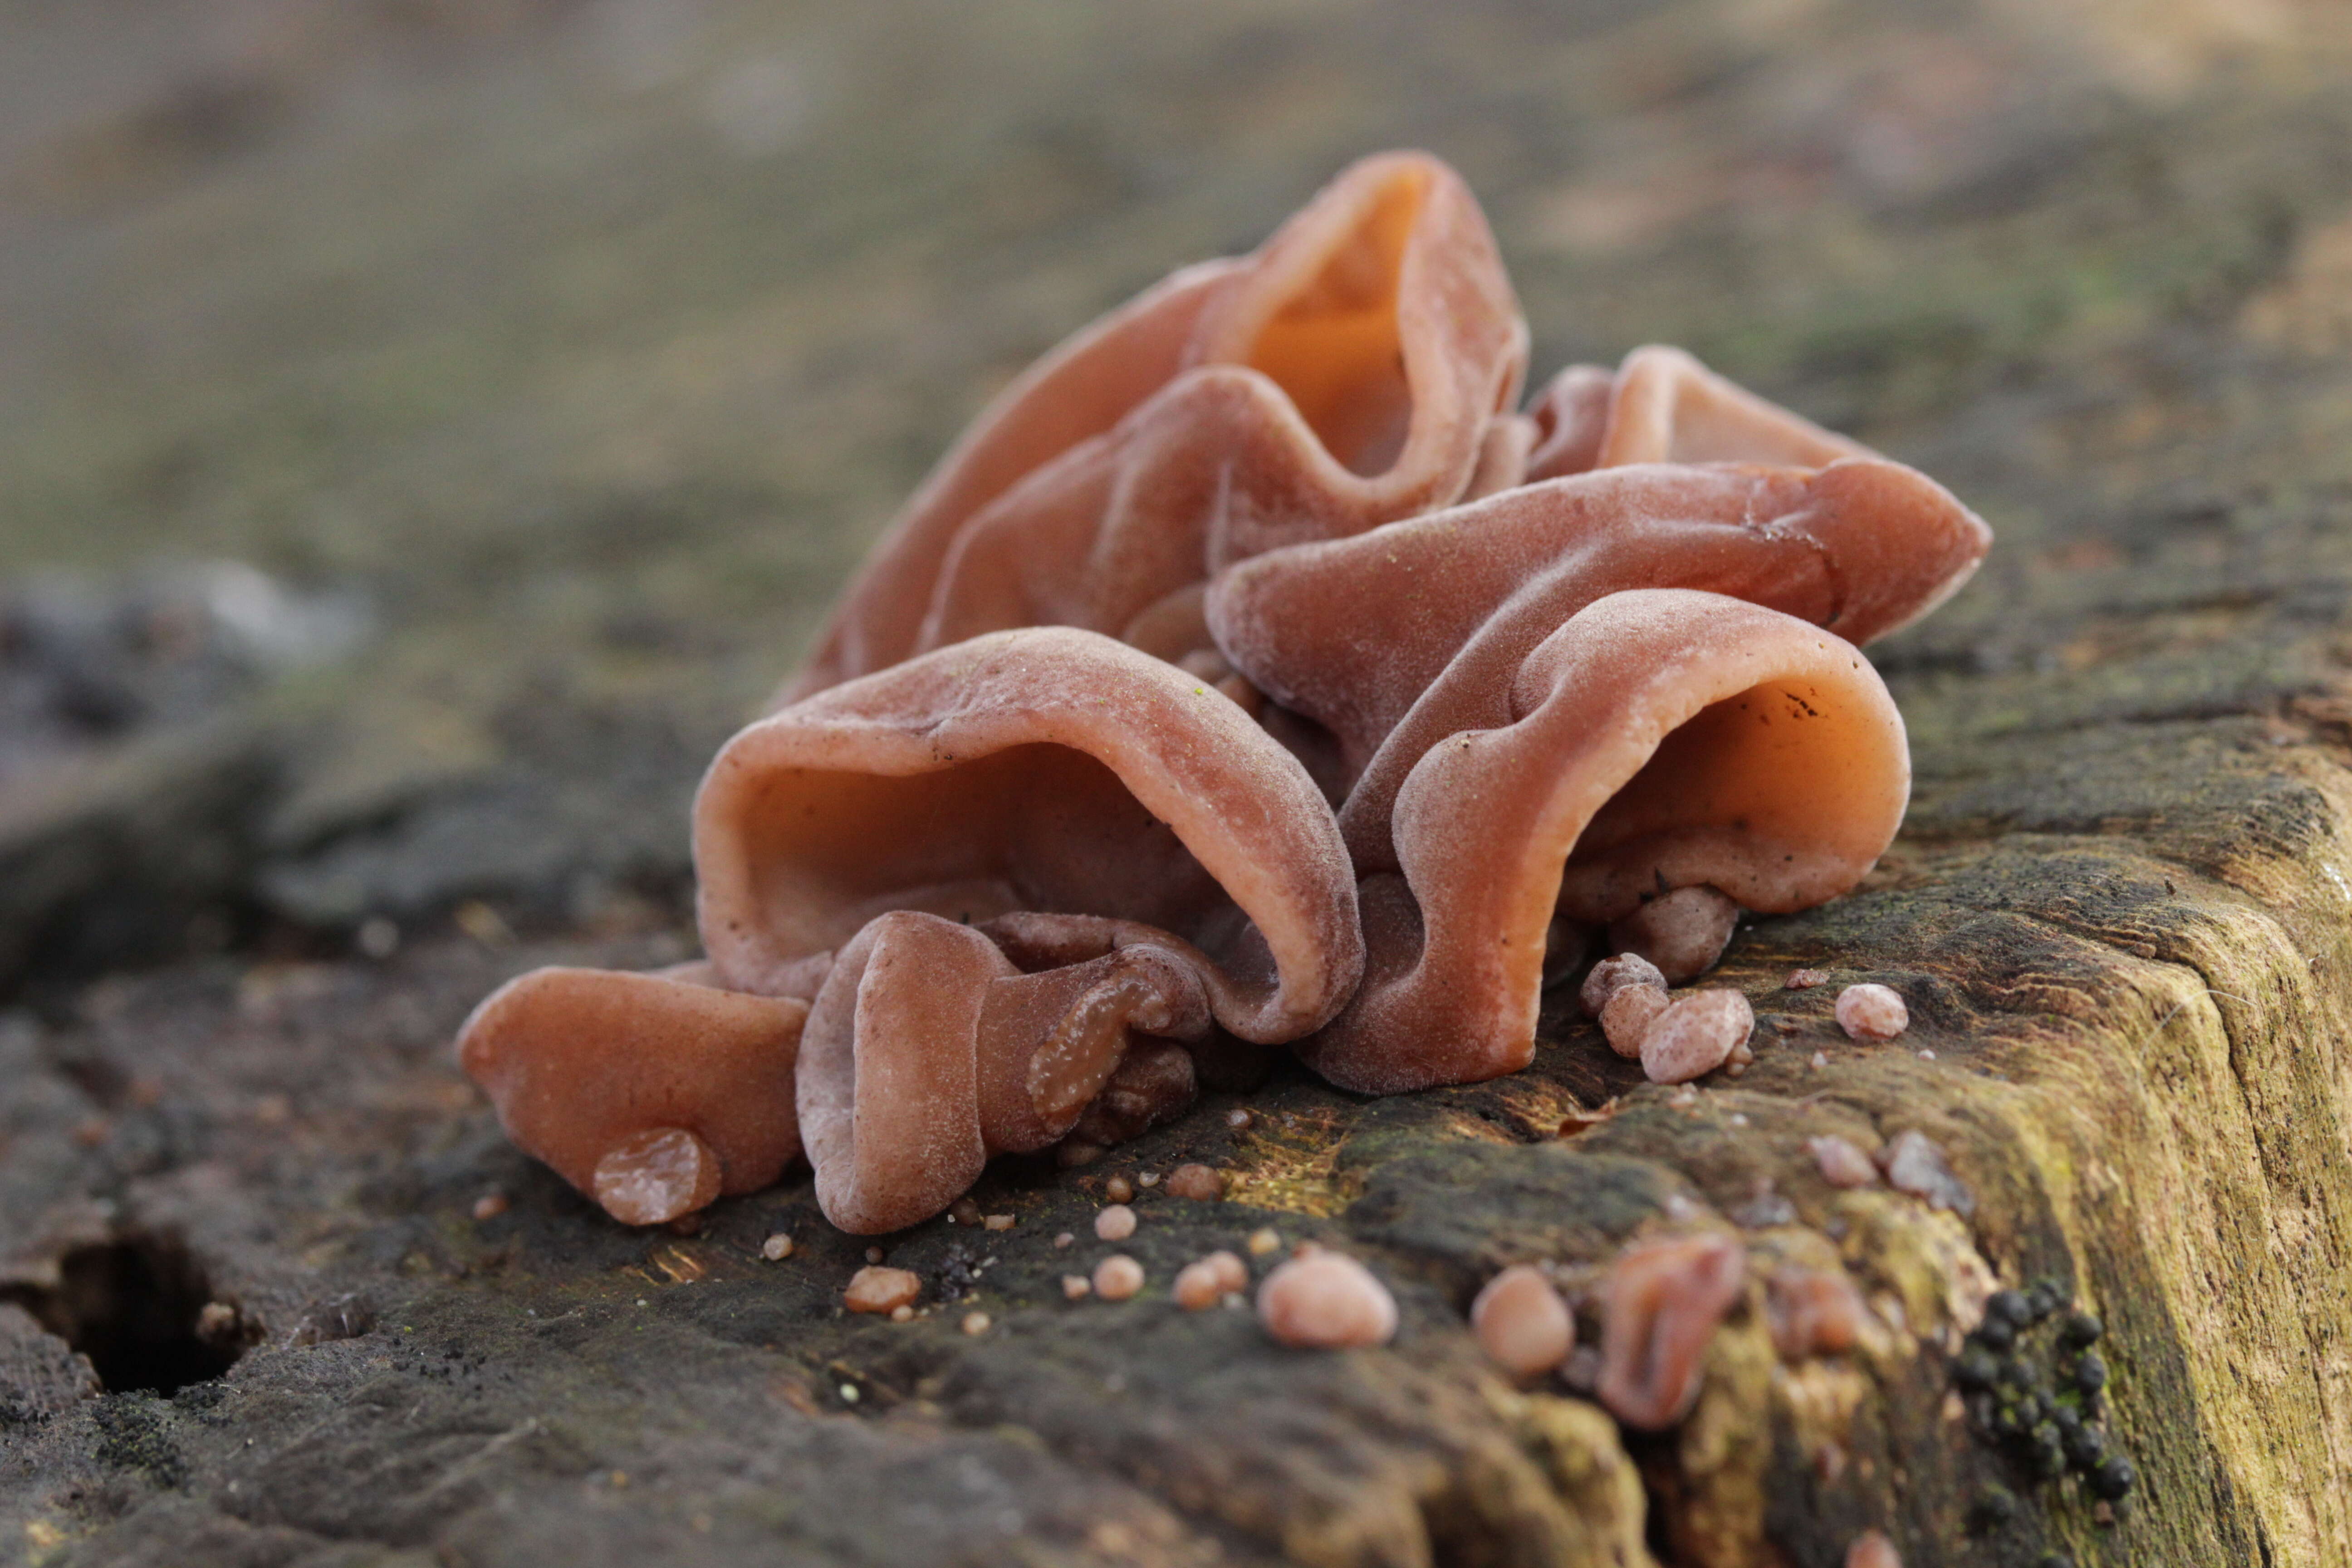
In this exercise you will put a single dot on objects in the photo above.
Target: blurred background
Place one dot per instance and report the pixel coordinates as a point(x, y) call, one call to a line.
point(428, 426)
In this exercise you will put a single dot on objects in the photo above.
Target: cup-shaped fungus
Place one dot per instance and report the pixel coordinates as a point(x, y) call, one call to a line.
point(1660, 1306)
point(1036, 845)
point(651, 1093)
point(1393, 640)
point(1249, 666)
point(1659, 738)
point(1357, 368)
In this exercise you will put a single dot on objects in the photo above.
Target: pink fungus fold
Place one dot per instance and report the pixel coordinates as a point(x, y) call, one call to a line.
point(1659, 738)
point(1030, 849)
point(1660, 1305)
point(1354, 370)
point(1661, 406)
point(1394, 640)
point(651, 1093)
point(1088, 795)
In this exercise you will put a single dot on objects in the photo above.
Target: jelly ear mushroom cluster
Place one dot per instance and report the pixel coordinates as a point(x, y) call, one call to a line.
point(1357, 368)
point(1256, 673)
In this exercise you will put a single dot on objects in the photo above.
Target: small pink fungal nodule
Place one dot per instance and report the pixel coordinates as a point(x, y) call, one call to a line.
point(1206, 1281)
point(1870, 1013)
point(874, 1288)
point(1695, 1035)
point(1914, 1164)
point(1629, 1014)
point(1118, 1277)
point(1841, 1161)
point(1116, 1223)
point(1200, 1183)
point(1521, 1322)
point(1325, 1300)
point(1660, 1306)
point(1682, 932)
point(1613, 976)
point(656, 1175)
point(1871, 1548)
point(1812, 1312)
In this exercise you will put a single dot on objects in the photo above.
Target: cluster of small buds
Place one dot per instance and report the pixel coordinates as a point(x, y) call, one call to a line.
point(2037, 1388)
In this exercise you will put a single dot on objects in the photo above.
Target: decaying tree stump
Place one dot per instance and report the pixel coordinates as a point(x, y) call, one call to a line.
point(2099, 283)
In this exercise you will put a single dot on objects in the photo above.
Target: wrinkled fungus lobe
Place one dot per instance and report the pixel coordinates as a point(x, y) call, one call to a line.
point(1256, 673)
point(1357, 368)
point(653, 1092)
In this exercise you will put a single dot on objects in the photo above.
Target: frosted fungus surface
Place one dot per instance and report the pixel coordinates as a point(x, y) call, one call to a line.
point(1629, 1014)
point(1611, 975)
point(1094, 771)
point(1871, 1014)
point(1693, 1036)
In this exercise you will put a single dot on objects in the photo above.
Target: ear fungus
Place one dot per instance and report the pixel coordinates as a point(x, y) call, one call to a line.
point(1373, 638)
point(1069, 397)
point(1660, 1305)
point(1659, 738)
point(1049, 795)
point(1661, 406)
point(651, 1093)
point(1251, 666)
point(1046, 769)
point(929, 1050)
point(1347, 373)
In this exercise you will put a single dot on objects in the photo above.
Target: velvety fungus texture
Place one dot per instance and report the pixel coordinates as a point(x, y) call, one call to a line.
point(1256, 672)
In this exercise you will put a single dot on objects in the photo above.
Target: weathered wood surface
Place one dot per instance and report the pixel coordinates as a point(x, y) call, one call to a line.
point(596, 345)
